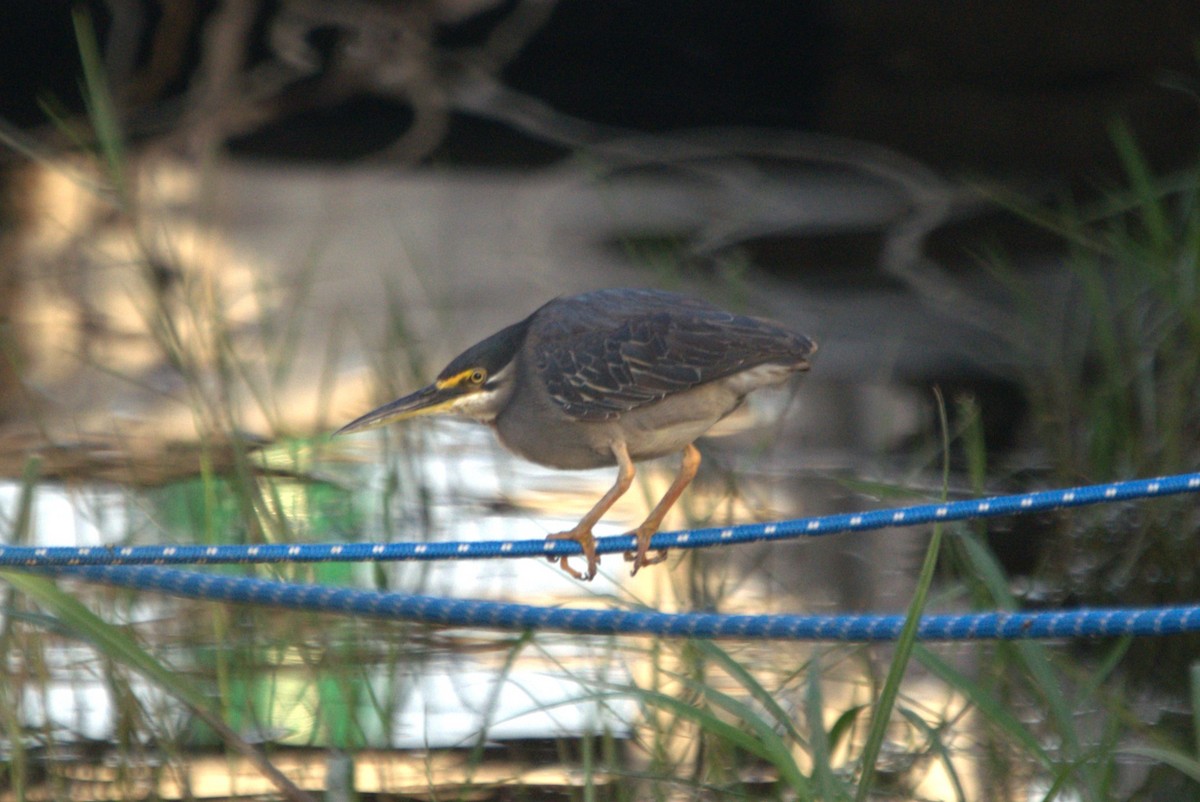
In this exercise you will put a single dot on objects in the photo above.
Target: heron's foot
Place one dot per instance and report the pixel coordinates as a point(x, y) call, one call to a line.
point(586, 542)
point(641, 557)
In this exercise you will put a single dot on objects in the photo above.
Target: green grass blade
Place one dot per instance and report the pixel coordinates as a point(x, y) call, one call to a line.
point(72, 618)
point(841, 728)
point(826, 782)
point(881, 716)
point(988, 705)
point(1194, 677)
point(113, 642)
point(1096, 676)
point(938, 746)
point(1147, 194)
point(1186, 764)
point(747, 680)
point(475, 758)
point(891, 685)
point(1032, 658)
point(763, 742)
point(986, 570)
point(98, 99)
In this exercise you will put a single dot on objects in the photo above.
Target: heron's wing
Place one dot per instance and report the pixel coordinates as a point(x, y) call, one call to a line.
point(596, 365)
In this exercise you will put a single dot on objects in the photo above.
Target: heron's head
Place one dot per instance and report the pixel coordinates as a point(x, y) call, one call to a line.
point(476, 384)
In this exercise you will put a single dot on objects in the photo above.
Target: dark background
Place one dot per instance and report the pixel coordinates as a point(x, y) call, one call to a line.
point(1023, 89)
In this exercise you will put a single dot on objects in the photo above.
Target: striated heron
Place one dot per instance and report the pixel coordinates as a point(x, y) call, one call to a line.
point(610, 377)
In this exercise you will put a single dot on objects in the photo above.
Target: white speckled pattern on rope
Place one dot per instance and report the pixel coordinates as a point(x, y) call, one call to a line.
point(140, 567)
point(1021, 504)
point(1092, 623)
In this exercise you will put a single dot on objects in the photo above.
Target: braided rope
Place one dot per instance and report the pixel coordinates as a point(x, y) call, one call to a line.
point(127, 567)
point(996, 506)
point(500, 615)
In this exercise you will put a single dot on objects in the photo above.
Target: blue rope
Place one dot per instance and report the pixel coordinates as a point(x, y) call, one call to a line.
point(1040, 501)
point(127, 567)
point(501, 615)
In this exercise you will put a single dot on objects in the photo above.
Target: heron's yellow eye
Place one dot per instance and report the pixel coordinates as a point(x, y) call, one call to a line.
point(477, 376)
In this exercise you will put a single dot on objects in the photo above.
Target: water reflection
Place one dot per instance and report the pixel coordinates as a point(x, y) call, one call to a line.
point(444, 690)
point(312, 681)
point(264, 340)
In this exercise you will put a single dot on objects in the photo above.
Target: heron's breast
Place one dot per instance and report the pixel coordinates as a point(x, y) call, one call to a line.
point(557, 441)
point(535, 428)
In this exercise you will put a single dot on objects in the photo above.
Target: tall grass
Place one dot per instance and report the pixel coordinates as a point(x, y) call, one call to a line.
point(1112, 373)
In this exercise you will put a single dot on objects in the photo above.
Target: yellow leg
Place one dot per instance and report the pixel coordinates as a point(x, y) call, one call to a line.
point(687, 472)
point(581, 533)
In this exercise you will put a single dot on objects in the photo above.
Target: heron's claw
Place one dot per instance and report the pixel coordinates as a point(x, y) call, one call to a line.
point(641, 558)
point(586, 542)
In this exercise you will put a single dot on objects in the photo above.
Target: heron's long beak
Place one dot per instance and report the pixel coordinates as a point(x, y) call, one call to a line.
point(425, 401)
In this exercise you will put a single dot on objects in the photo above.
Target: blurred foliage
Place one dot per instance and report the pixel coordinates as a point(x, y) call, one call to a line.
point(1112, 371)
point(1111, 368)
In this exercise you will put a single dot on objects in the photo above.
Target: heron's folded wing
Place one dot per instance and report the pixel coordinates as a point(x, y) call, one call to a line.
point(597, 373)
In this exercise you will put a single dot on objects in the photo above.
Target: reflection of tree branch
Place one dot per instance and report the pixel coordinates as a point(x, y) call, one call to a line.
point(386, 49)
point(513, 32)
point(217, 105)
point(930, 200)
point(168, 49)
point(389, 50)
point(428, 92)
